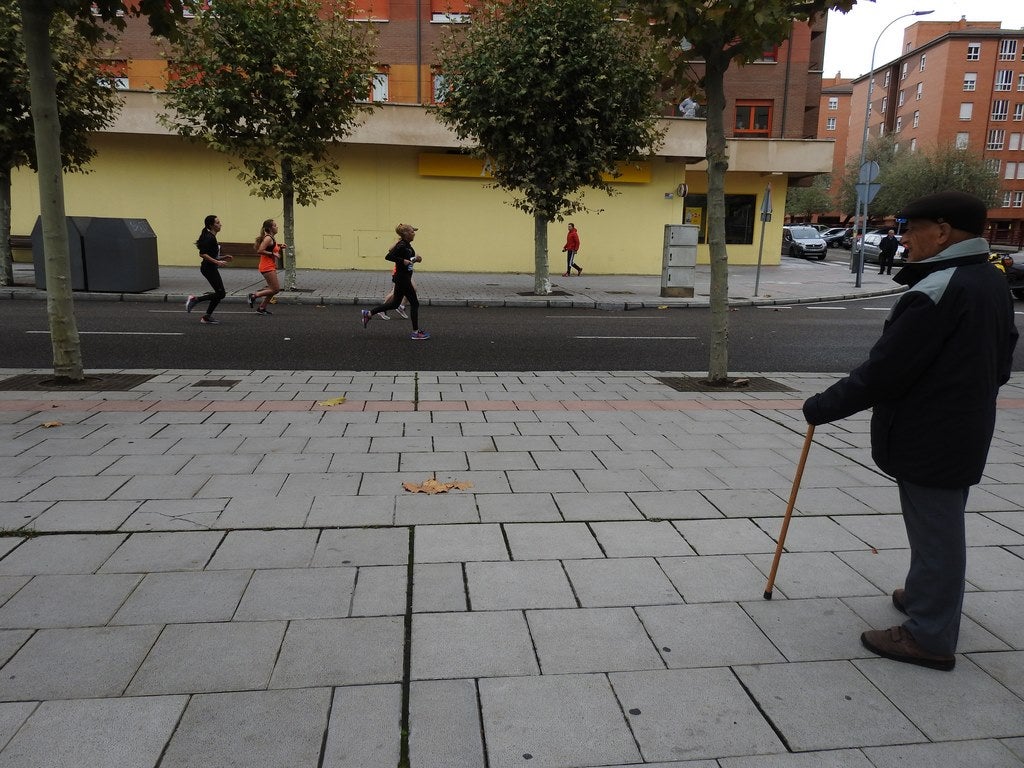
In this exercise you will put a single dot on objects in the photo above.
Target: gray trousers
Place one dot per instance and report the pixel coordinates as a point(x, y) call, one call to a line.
point(934, 596)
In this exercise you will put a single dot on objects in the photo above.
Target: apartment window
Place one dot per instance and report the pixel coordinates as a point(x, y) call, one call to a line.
point(992, 164)
point(1006, 199)
point(833, 103)
point(962, 139)
point(1007, 50)
point(830, 124)
point(973, 51)
point(1020, 82)
point(920, 91)
point(1011, 171)
point(966, 110)
point(899, 125)
point(903, 71)
point(888, 73)
point(923, 58)
point(885, 103)
point(1018, 199)
point(753, 118)
point(1000, 109)
point(913, 145)
point(1014, 143)
point(902, 98)
point(449, 11)
point(770, 55)
point(369, 10)
point(1018, 111)
point(1004, 79)
point(115, 74)
point(996, 139)
point(1020, 171)
point(917, 118)
point(439, 88)
point(379, 91)
point(970, 81)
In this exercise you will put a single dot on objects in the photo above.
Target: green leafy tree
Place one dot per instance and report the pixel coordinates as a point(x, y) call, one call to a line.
point(37, 17)
point(273, 85)
point(880, 149)
point(718, 34)
point(85, 105)
point(553, 94)
point(806, 201)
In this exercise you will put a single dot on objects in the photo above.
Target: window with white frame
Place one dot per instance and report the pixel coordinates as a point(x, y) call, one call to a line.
point(1011, 171)
point(1000, 109)
point(1014, 143)
point(1020, 171)
point(833, 103)
point(881, 130)
point(913, 145)
point(992, 164)
point(920, 91)
point(830, 124)
point(962, 139)
point(380, 87)
point(924, 56)
point(970, 81)
point(1018, 111)
point(885, 104)
point(1007, 50)
point(888, 73)
point(1018, 199)
point(1006, 199)
point(917, 118)
point(903, 71)
point(996, 139)
point(1004, 80)
point(966, 110)
point(439, 86)
point(899, 125)
point(974, 51)
point(1020, 82)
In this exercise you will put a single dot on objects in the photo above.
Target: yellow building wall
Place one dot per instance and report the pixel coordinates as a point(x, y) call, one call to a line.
point(465, 224)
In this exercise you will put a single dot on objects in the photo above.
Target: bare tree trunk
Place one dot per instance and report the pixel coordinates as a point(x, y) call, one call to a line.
point(288, 193)
point(718, 164)
point(67, 352)
point(541, 278)
point(6, 257)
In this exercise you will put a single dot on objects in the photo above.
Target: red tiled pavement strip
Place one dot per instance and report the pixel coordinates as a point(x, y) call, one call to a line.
point(50, 406)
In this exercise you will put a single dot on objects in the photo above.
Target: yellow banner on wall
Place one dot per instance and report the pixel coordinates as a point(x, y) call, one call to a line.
point(468, 167)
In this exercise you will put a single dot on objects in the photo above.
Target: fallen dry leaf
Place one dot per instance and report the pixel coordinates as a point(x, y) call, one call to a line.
point(332, 401)
point(49, 424)
point(433, 486)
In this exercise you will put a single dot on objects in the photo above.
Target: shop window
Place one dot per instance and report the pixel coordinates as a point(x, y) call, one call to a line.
point(753, 118)
point(741, 212)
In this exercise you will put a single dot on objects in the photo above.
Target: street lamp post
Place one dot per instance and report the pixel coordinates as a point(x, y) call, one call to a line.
point(861, 195)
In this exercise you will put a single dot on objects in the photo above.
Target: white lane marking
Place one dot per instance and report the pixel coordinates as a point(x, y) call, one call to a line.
point(117, 333)
point(614, 317)
point(777, 306)
point(644, 338)
point(828, 308)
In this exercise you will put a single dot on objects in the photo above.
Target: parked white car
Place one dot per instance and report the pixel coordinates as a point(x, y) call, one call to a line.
point(871, 248)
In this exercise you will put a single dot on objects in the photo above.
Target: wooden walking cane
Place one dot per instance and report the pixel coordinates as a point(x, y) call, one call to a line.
point(789, 511)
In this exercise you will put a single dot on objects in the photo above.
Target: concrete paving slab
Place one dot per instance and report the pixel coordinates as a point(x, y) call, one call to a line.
point(264, 549)
point(465, 645)
point(725, 537)
point(425, 509)
point(640, 539)
point(183, 596)
point(826, 705)
point(444, 724)
point(836, 634)
point(554, 721)
point(67, 601)
point(692, 714)
point(517, 508)
point(175, 515)
point(714, 579)
point(297, 593)
point(364, 727)
point(815, 574)
point(993, 569)
point(551, 541)
point(209, 658)
point(438, 587)
point(350, 512)
point(12, 717)
point(340, 652)
point(673, 505)
point(460, 543)
point(1006, 667)
point(276, 729)
point(591, 640)
point(60, 554)
point(69, 516)
point(742, 503)
point(610, 505)
point(524, 584)
point(989, 753)
point(620, 582)
point(362, 547)
point(79, 663)
point(839, 758)
point(706, 635)
point(18, 515)
point(998, 612)
point(9, 586)
point(93, 732)
point(984, 708)
point(811, 534)
point(10, 641)
point(380, 591)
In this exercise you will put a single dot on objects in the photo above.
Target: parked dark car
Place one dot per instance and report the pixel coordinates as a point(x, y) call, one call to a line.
point(834, 237)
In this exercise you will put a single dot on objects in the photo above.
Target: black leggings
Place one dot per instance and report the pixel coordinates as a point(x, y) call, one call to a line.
point(403, 288)
point(212, 274)
point(570, 262)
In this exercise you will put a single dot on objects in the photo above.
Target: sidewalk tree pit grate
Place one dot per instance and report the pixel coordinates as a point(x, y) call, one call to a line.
point(99, 382)
point(751, 384)
point(217, 383)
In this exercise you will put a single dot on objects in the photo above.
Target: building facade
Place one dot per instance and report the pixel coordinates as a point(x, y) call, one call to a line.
point(955, 83)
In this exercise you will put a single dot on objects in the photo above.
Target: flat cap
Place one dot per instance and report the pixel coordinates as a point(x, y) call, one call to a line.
point(958, 209)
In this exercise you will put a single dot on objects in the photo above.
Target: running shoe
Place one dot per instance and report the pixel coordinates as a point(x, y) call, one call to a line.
point(419, 335)
point(383, 315)
point(252, 300)
point(208, 320)
point(190, 302)
point(401, 310)
point(366, 317)
point(263, 311)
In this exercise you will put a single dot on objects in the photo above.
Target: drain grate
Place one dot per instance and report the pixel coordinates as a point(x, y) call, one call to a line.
point(98, 382)
point(227, 383)
point(752, 384)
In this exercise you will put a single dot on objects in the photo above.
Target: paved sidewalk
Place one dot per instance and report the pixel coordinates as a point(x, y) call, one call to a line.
point(231, 574)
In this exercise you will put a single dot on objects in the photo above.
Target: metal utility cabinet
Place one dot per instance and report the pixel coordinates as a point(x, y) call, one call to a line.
point(679, 260)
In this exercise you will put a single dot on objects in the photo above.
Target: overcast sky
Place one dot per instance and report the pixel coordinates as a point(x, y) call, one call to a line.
point(851, 36)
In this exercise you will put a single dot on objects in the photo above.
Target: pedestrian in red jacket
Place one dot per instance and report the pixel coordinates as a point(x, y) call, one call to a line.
point(572, 245)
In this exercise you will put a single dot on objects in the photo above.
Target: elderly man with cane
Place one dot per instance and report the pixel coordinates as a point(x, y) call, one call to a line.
point(932, 379)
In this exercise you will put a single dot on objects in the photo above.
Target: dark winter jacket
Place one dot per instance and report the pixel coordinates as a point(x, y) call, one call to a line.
point(933, 376)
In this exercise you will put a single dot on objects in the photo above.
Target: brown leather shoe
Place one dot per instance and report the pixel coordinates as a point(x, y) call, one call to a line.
point(899, 645)
point(897, 600)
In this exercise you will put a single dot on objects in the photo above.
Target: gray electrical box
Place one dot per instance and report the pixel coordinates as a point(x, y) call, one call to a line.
point(679, 260)
point(107, 255)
